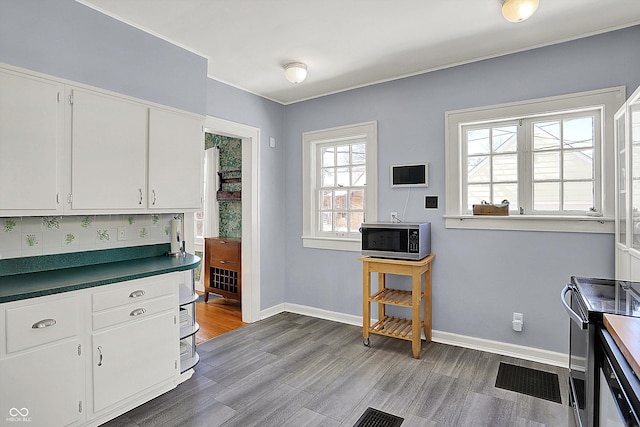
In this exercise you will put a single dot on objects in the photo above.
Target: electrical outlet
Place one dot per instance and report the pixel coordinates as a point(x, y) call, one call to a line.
point(394, 217)
point(122, 234)
point(517, 322)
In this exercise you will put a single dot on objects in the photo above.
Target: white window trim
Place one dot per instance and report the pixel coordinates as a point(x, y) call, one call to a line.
point(609, 100)
point(310, 140)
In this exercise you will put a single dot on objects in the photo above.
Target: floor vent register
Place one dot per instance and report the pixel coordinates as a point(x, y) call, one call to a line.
point(532, 382)
point(375, 418)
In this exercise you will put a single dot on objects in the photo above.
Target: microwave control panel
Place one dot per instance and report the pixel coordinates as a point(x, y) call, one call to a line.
point(414, 241)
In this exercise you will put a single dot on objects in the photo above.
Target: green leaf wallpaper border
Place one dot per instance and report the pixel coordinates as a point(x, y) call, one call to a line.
point(49, 235)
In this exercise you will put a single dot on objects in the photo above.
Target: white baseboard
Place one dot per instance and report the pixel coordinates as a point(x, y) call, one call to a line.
point(496, 347)
point(505, 349)
point(272, 311)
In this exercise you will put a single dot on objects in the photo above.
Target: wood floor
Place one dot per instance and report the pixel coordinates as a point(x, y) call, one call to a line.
point(216, 317)
point(292, 370)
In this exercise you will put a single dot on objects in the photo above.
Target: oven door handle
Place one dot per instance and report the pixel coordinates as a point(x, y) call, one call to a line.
point(572, 314)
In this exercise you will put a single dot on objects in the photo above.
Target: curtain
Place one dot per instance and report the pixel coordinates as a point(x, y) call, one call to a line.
point(211, 183)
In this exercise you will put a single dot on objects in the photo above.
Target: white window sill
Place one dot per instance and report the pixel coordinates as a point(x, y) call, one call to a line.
point(569, 224)
point(337, 244)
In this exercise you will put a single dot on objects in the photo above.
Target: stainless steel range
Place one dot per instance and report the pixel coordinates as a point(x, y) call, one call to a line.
point(590, 299)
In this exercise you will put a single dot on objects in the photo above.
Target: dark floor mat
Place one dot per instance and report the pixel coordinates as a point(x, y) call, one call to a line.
point(532, 382)
point(375, 418)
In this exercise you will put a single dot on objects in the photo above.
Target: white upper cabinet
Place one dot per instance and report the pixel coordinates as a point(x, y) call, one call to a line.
point(72, 149)
point(31, 145)
point(108, 153)
point(176, 147)
point(627, 136)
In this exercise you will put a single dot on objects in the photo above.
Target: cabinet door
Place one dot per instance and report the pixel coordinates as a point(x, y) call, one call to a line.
point(31, 138)
point(133, 357)
point(620, 134)
point(43, 387)
point(634, 167)
point(176, 149)
point(108, 153)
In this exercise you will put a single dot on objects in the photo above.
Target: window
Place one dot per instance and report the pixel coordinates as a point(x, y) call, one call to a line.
point(559, 150)
point(547, 157)
point(340, 185)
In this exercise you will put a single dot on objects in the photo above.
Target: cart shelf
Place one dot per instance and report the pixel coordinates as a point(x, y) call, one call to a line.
point(395, 327)
point(393, 297)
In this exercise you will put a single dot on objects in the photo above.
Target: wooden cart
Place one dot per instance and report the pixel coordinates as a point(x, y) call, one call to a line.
point(406, 329)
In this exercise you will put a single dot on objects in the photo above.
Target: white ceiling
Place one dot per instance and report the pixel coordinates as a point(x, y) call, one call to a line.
point(352, 43)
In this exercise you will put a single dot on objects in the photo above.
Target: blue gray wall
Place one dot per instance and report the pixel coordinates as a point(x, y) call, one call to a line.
point(66, 39)
point(479, 277)
point(229, 103)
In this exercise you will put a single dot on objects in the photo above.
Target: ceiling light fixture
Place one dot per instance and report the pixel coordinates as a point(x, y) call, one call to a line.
point(295, 72)
point(518, 10)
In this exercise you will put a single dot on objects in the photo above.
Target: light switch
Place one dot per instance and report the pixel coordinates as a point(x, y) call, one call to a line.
point(431, 202)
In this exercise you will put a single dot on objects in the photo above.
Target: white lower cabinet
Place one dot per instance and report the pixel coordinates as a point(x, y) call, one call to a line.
point(42, 362)
point(129, 359)
point(43, 386)
point(85, 357)
point(134, 338)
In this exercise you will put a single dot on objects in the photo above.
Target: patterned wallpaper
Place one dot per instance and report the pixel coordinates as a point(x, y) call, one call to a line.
point(32, 236)
point(230, 222)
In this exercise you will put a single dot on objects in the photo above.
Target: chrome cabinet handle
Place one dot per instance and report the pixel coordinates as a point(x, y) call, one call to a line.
point(45, 323)
point(140, 196)
point(136, 294)
point(100, 352)
point(222, 242)
point(154, 196)
point(137, 312)
point(572, 314)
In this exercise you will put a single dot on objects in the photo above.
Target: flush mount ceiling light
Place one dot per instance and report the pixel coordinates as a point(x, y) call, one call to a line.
point(295, 72)
point(518, 10)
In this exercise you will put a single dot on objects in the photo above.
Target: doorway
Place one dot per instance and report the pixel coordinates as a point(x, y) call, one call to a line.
point(250, 253)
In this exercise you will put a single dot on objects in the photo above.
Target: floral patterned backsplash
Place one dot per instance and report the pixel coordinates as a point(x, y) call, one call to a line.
point(31, 236)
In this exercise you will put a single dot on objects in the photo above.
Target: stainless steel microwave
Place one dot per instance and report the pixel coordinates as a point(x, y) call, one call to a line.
point(398, 240)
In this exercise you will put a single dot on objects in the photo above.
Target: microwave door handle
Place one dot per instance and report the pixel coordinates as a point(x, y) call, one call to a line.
point(572, 314)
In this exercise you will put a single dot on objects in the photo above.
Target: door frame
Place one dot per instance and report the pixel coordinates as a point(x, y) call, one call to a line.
point(250, 136)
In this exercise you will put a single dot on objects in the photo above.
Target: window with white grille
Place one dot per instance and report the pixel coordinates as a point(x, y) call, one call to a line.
point(543, 165)
point(552, 159)
point(340, 185)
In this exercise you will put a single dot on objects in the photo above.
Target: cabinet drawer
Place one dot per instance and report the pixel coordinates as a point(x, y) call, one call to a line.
point(41, 323)
point(131, 312)
point(226, 250)
point(226, 265)
point(133, 291)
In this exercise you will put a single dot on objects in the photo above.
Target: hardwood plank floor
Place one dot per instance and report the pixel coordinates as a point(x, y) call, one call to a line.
point(217, 317)
point(293, 370)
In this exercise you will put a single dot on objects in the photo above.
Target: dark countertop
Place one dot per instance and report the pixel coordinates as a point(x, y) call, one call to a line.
point(14, 287)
